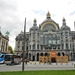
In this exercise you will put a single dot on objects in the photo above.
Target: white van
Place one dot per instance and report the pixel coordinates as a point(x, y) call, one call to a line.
point(12, 59)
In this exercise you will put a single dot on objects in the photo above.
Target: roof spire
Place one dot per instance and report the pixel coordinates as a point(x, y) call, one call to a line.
point(48, 15)
point(35, 22)
point(64, 21)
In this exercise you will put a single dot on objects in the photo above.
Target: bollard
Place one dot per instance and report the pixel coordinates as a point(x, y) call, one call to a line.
point(56, 63)
point(34, 63)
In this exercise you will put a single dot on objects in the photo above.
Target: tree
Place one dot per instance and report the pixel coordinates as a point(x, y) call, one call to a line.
point(10, 49)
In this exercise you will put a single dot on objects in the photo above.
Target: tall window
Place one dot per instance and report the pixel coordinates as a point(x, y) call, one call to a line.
point(33, 35)
point(45, 40)
point(18, 42)
point(30, 34)
point(18, 48)
point(41, 40)
point(54, 42)
point(66, 45)
point(38, 34)
point(58, 41)
point(33, 46)
point(37, 46)
point(42, 47)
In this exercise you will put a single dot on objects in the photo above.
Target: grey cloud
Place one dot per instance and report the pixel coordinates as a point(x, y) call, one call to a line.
point(8, 19)
point(7, 5)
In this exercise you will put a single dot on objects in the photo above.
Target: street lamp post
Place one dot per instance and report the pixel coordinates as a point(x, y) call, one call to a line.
point(24, 45)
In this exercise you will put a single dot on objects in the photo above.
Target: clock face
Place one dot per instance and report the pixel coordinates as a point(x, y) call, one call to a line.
point(49, 27)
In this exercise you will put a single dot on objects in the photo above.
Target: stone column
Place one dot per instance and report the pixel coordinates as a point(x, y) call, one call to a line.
point(64, 46)
point(36, 46)
point(28, 45)
point(39, 47)
point(28, 55)
point(35, 57)
point(69, 45)
point(43, 48)
point(31, 40)
point(31, 47)
point(70, 57)
point(60, 46)
point(31, 57)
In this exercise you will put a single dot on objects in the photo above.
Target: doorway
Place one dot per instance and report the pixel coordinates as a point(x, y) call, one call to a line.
point(33, 58)
point(53, 60)
point(37, 56)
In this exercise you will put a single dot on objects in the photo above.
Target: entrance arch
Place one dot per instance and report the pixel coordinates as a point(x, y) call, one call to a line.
point(37, 56)
point(63, 54)
point(58, 54)
point(33, 58)
point(29, 56)
point(26, 56)
point(41, 54)
point(53, 59)
point(46, 54)
point(71, 56)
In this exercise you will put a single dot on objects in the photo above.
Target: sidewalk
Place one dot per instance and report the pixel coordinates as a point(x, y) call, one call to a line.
point(53, 65)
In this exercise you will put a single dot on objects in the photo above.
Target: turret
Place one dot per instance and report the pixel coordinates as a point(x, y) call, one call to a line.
point(48, 15)
point(35, 22)
point(64, 26)
point(64, 21)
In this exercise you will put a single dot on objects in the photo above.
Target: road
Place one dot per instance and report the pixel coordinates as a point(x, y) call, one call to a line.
point(69, 66)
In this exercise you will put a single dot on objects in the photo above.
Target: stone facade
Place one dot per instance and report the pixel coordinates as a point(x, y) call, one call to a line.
point(3, 43)
point(48, 36)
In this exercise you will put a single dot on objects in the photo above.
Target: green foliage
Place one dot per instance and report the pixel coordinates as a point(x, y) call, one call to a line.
point(10, 49)
point(74, 65)
point(43, 72)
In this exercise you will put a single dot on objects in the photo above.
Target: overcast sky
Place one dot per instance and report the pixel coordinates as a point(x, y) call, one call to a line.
point(13, 13)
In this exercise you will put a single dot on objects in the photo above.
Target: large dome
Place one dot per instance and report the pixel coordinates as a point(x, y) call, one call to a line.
point(34, 27)
point(49, 23)
point(65, 27)
point(20, 36)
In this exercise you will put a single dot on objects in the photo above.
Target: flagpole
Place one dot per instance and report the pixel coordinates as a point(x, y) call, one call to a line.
point(24, 46)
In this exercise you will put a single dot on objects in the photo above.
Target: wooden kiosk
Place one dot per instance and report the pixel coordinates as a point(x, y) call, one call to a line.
point(52, 57)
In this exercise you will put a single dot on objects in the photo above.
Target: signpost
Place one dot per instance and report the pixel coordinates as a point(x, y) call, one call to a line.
point(24, 45)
